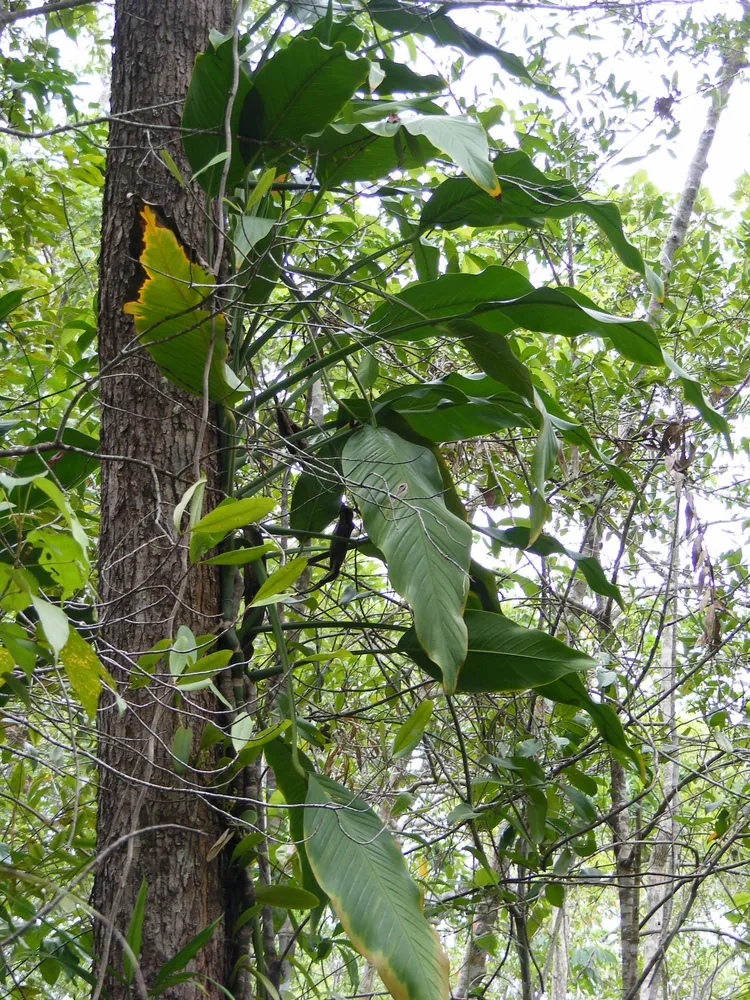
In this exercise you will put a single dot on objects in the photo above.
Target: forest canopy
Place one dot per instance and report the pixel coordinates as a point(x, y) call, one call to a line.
point(373, 494)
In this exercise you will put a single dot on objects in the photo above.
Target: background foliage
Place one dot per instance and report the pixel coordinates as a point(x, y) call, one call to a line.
point(477, 618)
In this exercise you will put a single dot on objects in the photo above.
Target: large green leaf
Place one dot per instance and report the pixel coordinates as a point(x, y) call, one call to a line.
point(286, 896)
point(84, 670)
point(369, 151)
point(441, 29)
point(502, 300)
point(570, 690)
point(464, 141)
point(506, 657)
point(204, 116)
point(70, 467)
point(316, 497)
point(300, 89)
point(493, 354)
point(526, 193)
point(401, 79)
point(443, 410)
point(294, 789)
point(174, 316)
point(474, 418)
point(365, 151)
point(399, 490)
point(359, 865)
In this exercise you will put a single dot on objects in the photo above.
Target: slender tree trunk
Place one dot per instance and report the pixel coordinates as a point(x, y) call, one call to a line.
point(627, 867)
point(627, 850)
point(661, 866)
point(474, 968)
point(559, 979)
point(146, 587)
point(733, 62)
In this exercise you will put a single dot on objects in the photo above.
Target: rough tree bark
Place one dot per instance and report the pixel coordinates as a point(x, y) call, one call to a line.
point(145, 590)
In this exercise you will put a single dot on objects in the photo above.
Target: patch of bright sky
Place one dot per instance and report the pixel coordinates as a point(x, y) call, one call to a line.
point(667, 165)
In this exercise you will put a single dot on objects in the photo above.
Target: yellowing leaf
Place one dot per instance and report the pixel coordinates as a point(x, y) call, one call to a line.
point(6, 663)
point(84, 670)
point(360, 868)
point(176, 317)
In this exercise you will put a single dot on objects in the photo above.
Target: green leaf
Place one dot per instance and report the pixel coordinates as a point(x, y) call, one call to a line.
point(262, 187)
point(183, 956)
point(411, 731)
point(281, 579)
point(569, 690)
point(174, 318)
point(184, 650)
point(546, 545)
point(214, 161)
point(182, 741)
point(527, 193)
point(358, 864)
point(443, 30)
point(172, 166)
point(239, 557)
point(492, 353)
point(555, 893)
point(457, 407)
point(464, 141)
point(233, 514)
point(503, 656)
point(401, 79)
point(399, 491)
point(180, 508)
point(71, 467)
point(501, 300)
point(365, 151)
point(694, 396)
point(294, 789)
point(288, 897)
point(204, 116)
point(62, 557)
point(368, 370)
point(316, 497)
point(244, 736)
point(544, 458)
point(133, 935)
point(582, 804)
point(10, 301)
point(54, 624)
point(50, 970)
point(203, 669)
point(84, 670)
point(460, 814)
point(300, 89)
point(248, 232)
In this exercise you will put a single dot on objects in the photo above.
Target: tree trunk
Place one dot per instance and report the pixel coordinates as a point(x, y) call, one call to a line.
point(146, 587)
point(559, 980)
point(661, 866)
point(474, 969)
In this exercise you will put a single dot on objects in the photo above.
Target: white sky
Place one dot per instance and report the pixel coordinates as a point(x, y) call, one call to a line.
point(667, 166)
